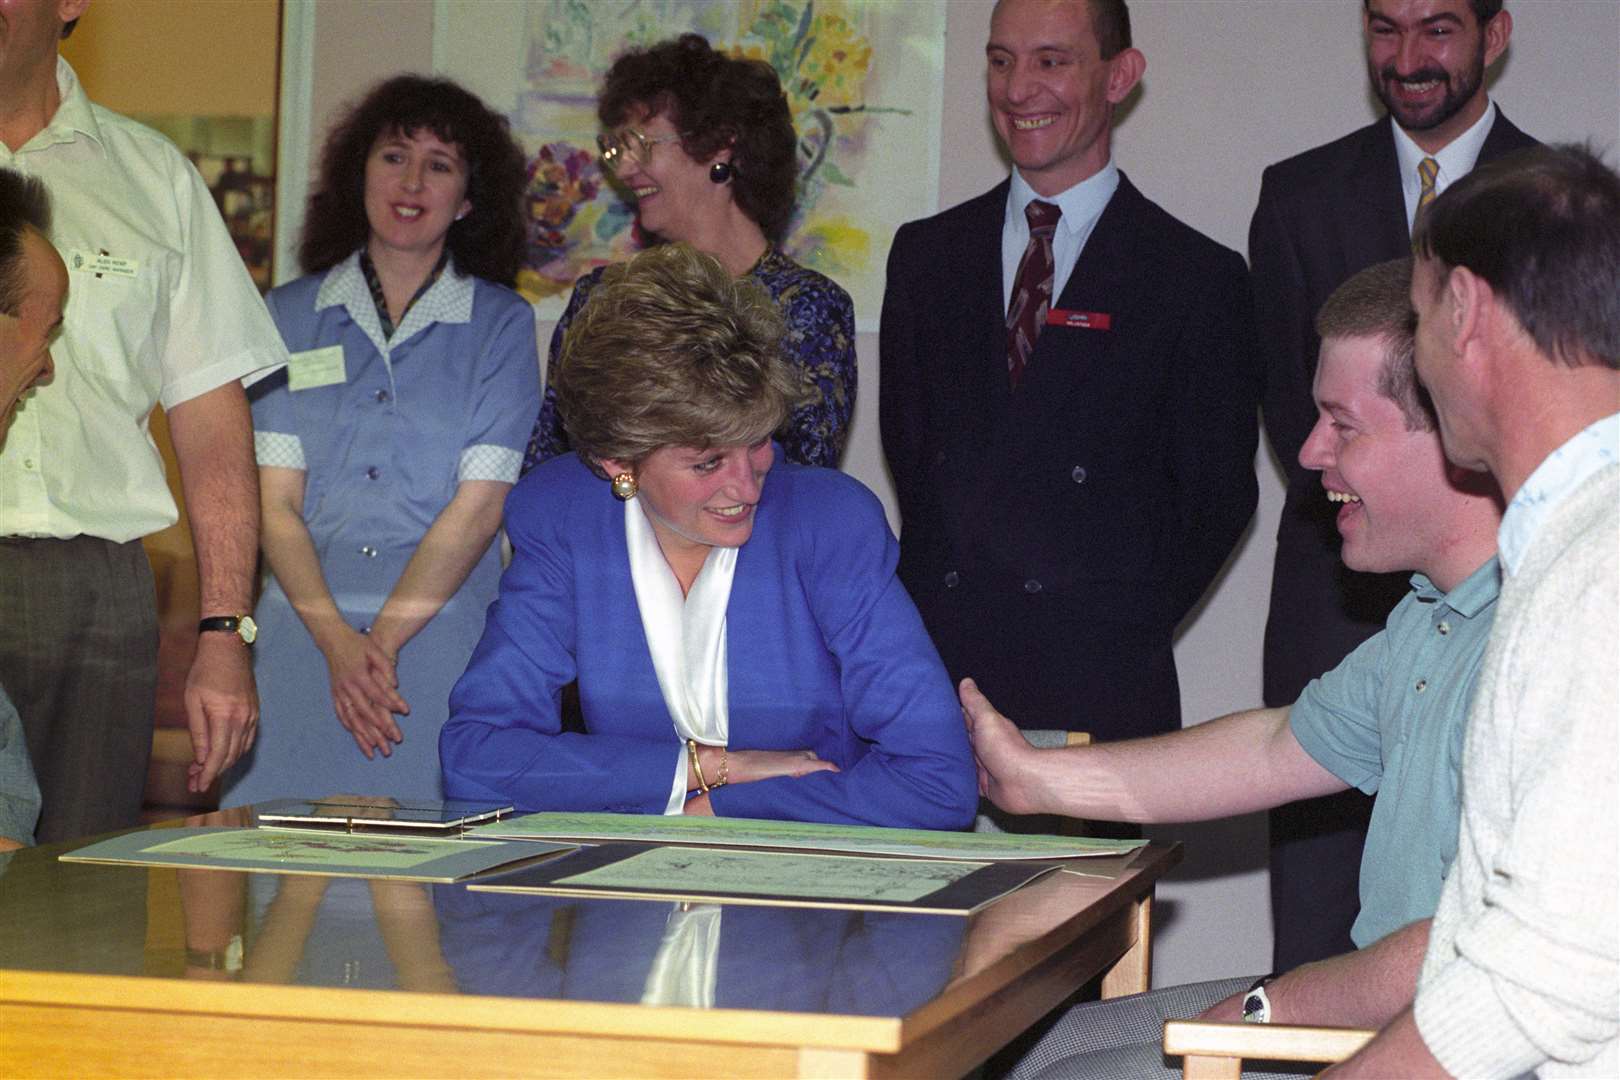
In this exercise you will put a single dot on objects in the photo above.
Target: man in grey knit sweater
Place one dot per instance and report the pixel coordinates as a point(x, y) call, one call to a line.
point(1517, 289)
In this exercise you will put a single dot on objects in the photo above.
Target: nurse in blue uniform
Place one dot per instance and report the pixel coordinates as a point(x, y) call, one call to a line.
point(387, 448)
point(742, 645)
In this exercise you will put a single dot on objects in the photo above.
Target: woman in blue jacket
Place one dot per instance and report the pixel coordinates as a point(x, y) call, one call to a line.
point(741, 643)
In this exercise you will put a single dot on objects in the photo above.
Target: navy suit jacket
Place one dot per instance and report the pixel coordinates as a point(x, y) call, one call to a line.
point(1323, 215)
point(1054, 536)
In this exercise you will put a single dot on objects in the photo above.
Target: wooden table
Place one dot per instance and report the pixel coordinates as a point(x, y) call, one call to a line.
point(110, 970)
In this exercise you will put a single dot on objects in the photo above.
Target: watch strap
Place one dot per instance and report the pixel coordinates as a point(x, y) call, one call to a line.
point(242, 626)
point(1257, 1003)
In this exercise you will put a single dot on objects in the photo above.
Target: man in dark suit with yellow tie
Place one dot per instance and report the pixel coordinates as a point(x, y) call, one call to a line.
point(1068, 393)
point(1323, 215)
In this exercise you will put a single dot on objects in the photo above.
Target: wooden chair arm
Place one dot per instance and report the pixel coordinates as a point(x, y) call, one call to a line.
point(1215, 1051)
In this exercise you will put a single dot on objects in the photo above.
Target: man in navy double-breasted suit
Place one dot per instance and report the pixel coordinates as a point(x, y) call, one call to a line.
point(1054, 533)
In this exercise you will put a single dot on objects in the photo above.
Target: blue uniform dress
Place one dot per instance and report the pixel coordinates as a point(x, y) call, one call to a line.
point(449, 397)
point(825, 652)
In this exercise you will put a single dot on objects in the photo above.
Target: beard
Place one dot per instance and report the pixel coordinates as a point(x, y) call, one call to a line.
point(1459, 91)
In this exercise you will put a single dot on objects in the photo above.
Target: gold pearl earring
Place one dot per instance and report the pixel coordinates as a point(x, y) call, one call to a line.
point(624, 487)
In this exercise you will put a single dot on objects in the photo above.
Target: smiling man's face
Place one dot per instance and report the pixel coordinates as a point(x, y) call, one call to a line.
point(1051, 93)
point(1427, 61)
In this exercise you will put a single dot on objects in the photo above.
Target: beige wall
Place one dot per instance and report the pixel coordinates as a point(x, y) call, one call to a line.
point(195, 57)
point(1231, 86)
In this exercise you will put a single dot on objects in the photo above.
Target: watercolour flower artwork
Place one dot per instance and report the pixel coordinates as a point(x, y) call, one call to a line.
point(823, 52)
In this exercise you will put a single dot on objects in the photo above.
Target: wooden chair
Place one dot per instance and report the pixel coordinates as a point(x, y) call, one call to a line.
point(1215, 1051)
point(994, 819)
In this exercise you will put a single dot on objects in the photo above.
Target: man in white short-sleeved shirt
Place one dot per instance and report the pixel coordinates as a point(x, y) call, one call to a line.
point(160, 310)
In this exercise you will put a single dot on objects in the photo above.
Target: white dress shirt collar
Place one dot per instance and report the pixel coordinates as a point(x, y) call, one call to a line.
point(1456, 159)
point(1081, 204)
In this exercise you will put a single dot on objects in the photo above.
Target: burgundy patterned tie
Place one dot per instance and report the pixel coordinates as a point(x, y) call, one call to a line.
point(1032, 288)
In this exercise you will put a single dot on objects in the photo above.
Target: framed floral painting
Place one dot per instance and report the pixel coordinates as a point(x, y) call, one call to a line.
point(863, 80)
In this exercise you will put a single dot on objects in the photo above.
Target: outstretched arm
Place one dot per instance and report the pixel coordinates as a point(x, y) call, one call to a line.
point(1231, 765)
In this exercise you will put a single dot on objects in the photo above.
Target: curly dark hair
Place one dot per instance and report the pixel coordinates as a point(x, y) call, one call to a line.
point(488, 242)
point(715, 101)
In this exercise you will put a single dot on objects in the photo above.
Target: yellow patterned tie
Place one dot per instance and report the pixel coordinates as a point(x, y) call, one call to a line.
point(1428, 169)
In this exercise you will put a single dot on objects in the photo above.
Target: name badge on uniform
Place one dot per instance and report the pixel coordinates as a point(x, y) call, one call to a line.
point(1079, 320)
point(101, 264)
point(316, 367)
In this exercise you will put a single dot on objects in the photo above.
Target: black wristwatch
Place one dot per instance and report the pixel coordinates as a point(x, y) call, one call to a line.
point(242, 626)
point(1256, 1005)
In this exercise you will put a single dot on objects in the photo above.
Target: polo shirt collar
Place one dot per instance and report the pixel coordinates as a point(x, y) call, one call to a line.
point(1472, 595)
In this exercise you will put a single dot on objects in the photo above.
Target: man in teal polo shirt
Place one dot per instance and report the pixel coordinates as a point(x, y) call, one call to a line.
point(1388, 720)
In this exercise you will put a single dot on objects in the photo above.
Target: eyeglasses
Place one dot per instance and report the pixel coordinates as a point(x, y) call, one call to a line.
point(627, 142)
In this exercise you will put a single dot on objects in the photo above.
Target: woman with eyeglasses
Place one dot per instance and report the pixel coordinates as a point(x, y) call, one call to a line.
point(387, 448)
point(704, 143)
point(741, 642)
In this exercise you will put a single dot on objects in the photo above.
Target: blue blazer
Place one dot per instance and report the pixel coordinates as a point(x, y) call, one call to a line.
point(825, 651)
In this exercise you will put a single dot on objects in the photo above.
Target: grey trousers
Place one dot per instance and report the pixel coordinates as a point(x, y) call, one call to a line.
point(1122, 1039)
point(78, 656)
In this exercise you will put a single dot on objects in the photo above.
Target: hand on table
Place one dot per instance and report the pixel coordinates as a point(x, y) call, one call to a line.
point(222, 707)
point(746, 766)
point(364, 692)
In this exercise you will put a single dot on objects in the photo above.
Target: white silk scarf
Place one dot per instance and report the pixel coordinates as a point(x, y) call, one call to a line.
point(686, 637)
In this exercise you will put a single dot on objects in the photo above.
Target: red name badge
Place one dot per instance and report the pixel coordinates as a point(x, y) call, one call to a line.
point(1082, 320)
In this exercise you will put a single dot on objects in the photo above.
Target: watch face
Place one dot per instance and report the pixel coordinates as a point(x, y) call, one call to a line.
point(248, 629)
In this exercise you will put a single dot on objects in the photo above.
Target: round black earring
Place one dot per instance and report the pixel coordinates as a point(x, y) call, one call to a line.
point(720, 172)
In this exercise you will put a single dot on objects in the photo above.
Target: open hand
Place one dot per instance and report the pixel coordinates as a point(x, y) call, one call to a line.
point(1008, 768)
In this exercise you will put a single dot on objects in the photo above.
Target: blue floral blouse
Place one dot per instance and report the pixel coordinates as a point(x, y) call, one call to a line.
point(820, 339)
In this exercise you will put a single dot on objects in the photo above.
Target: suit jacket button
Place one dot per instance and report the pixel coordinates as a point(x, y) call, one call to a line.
point(1078, 474)
point(952, 579)
point(939, 458)
point(1032, 586)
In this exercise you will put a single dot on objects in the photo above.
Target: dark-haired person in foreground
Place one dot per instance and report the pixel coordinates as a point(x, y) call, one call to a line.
point(741, 643)
point(1517, 291)
point(704, 145)
point(1068, 410)
point(1388, 720)
point(33, 289)
point(1323, 215)
point(386, 453)
point(160, 311)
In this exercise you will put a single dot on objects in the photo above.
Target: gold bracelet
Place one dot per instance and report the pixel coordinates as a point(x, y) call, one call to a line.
point(697, 769)
point(725, 765)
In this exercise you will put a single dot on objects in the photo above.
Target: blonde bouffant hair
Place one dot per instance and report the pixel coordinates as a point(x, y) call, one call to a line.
point(671, 350)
